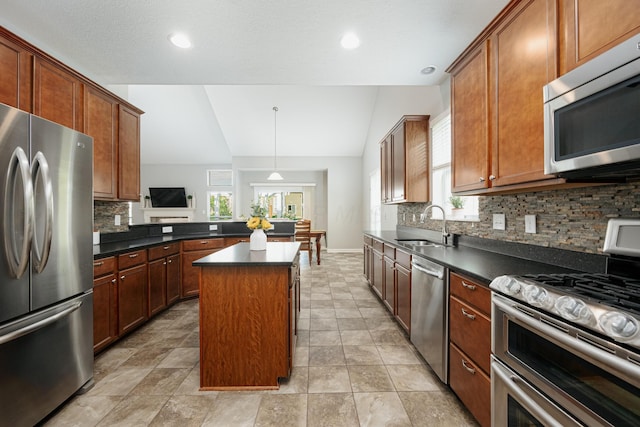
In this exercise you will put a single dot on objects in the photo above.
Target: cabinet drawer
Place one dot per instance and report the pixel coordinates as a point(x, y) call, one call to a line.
point(163, 250)
point(403, 258)
point(104, 266)
point(368, 240)
point(390, 251)
point(471, 292)
point(472, 386)
point(200, 244)
point(471, 331)
point(132, 258)
point(378, 245)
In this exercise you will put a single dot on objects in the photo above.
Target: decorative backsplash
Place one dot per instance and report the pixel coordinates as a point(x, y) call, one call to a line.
point(572, 219)
point(104, 216)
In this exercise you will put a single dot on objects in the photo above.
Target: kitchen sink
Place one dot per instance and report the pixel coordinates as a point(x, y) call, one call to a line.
point(420, 243)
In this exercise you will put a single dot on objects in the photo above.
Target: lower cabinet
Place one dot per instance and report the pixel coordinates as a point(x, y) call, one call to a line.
point(164, 283)
point(470, 345)
point(191, 251)
point(174, 278)
point(377, 269)
point(105, 307)
point(403, 289)
point(132, 291)
point(389, 288)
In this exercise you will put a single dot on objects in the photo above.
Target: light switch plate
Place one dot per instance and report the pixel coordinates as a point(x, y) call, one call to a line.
point(167, 229)
point(499, 222)
point(117, 220)
point(213, 227)
point(530, 224)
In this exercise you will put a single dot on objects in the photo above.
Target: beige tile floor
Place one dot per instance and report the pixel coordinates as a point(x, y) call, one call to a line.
point(354, 366)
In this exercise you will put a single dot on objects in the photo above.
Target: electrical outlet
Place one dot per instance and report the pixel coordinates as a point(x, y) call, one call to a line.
point(530, 224)
point(213, 227)
point(167, 229)
point(499, 222)
point(117, 220)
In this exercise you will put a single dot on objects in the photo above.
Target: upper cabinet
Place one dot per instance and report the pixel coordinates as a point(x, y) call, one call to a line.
point(404, 161)
point(37, 83)
point(592, 27)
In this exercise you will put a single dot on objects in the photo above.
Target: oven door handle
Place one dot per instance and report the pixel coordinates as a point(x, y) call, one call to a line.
point(621, 367)
point(515, 386)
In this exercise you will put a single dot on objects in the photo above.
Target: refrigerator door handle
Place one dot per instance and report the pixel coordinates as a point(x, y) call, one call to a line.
point(18, 260)
point(40, 169)
point(39, 325)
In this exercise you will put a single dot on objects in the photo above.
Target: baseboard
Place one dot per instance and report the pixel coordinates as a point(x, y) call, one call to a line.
point(345, 251)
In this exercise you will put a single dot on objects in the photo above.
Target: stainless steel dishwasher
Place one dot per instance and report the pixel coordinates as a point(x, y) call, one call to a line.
point(430, 314)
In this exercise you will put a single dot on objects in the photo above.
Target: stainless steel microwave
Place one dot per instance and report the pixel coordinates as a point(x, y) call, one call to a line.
point(592, 117)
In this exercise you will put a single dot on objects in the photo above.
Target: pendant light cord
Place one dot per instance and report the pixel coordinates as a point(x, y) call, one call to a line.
point(275, 138)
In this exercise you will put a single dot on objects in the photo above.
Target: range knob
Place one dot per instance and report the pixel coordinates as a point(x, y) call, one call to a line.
point(618, 325)
point(538, 296)
point(507, 285)
point(575, 310)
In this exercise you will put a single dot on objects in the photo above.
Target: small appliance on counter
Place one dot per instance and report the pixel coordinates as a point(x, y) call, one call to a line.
point(46, 266)
point(566, 347)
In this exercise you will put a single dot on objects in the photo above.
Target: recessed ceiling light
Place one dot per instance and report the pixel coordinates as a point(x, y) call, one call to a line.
point(428, 70)
point(350, 41)
point(180, 40)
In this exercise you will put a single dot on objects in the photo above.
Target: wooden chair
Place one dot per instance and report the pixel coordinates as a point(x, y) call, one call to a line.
point(303, 235)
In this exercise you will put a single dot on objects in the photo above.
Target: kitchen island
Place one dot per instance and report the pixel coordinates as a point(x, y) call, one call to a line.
point(249, 307)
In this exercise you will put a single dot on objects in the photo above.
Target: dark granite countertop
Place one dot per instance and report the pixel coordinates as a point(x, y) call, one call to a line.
point(277, 253)
point(484, 259)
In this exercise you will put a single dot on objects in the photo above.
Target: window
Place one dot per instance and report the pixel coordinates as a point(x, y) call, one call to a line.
point(220, 205)
point(466, 207)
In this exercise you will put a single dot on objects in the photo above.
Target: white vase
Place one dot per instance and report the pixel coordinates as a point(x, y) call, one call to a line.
point(258, 240)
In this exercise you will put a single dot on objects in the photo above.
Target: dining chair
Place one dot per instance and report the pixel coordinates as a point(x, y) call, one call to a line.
point(303, 235)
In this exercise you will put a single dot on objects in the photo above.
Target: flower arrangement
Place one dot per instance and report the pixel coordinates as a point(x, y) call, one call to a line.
point(258, 218)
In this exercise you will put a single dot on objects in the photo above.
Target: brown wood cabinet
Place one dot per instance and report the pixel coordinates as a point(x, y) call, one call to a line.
point(404, 160)
point(377, 267)
point(57, 94)
point(191, 251)
point(128, 154)
point(174, 278)
point(132, 290)
point(15, 74)
point(367, 249)
point(101, 122)
point(389, 283)
point(588, 28)
point(470, 345)
point(403, 289)
point(164, 283)
point(105, 308)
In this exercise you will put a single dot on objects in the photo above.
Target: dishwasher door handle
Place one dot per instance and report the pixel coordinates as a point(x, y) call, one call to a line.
point(439, 273)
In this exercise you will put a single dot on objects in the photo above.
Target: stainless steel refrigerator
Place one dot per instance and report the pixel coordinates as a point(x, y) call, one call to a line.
point(46, 299)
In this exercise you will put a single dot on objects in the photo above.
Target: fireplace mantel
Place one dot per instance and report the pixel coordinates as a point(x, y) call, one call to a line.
point(168, 214)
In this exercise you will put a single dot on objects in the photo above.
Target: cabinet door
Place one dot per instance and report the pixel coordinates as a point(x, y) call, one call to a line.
point(470, 122)
point(128, 155)
point(57, 95)
point(377, 280)
point(522, 56)
point(588, 28)
point(386, 169)
point(132, 298)
point(191, 275)
point(173, 278)
point(15, 75)
point(101, 122)
point(105, 326)
point(403, 297)
point(470, 330)
point(389, 288)
point(472, 386)
point(157, 286)
point(398, 164)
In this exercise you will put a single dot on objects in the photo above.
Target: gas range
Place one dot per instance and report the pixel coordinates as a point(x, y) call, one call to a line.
point(608, 303)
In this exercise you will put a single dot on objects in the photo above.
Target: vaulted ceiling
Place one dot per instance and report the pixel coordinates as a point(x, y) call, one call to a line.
point(214, 100)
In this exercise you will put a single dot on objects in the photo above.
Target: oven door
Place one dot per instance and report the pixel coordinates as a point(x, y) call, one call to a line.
point(595, 381)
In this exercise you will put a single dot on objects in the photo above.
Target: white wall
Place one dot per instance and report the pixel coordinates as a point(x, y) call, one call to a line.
point(392, 103)
point(343, 193)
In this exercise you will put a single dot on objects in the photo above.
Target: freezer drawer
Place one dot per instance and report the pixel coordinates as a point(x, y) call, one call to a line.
point(44, 359)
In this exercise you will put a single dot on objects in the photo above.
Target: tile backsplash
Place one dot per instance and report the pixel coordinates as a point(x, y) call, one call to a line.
point(573, 219)
point(104, 216)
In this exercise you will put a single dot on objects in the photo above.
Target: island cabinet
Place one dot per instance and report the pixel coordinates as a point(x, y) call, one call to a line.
point(164, 277)
point(404, 160)
point(588, 28)
point(132, 290)
point(15, 74)
point(105, 303)
point(191, 251)
point(470, 345)
point(496, 101)
point(248, 316)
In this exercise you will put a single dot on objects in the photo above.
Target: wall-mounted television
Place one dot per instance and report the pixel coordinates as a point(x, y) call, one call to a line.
point(168, 197)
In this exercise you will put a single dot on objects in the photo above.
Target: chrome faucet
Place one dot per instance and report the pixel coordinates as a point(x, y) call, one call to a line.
point(423, 216)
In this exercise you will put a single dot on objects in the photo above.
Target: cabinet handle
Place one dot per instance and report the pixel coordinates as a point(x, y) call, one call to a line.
point(164, 263)
point(468, 315)
point(98, 264)
point(121, 277)
point(492, 177)
point(165, 248)
point(468, 286)
point(133, 255)
point(170, 261)
point(481, 179)
point(203, 242)
point(113, 280)
point(469, 369)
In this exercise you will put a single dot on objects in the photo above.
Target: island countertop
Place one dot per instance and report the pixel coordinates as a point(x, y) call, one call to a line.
point(276, 254)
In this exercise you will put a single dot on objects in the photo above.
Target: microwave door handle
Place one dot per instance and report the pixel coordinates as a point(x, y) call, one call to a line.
point(40, 170)
point(18, 260)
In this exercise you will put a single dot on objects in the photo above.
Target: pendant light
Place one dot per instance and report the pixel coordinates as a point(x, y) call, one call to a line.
point(275, 176)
